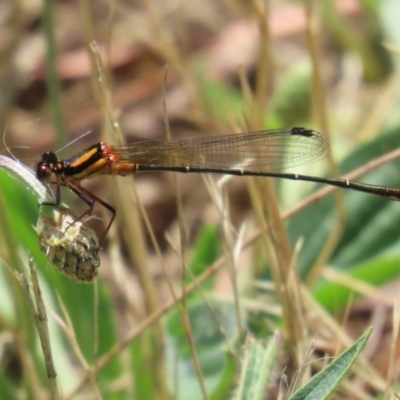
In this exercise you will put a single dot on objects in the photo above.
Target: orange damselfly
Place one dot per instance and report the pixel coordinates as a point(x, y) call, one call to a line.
point(263, 153)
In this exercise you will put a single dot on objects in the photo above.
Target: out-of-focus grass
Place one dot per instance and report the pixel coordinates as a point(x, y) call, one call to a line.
point(195, 350)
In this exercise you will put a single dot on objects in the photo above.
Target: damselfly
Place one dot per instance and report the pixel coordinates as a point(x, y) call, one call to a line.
point(263, 153)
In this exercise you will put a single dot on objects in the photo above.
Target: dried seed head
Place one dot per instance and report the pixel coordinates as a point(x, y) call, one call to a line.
point(68, 243)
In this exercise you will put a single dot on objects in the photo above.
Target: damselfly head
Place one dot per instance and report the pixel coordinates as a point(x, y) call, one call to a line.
point(46, 166)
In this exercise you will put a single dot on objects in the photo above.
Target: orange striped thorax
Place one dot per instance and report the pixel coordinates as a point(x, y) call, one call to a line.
point(99, 159)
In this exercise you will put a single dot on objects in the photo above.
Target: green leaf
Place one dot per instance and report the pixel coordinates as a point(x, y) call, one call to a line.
point(205, 253)
point(22, 212)
point(257, 365)
point(335, 297)
point(144, 386)
point(8, 388)
point(322, 385)
point(210, 344)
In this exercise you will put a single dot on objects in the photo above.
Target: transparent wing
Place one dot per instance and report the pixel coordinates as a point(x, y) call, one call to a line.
point(264, 151)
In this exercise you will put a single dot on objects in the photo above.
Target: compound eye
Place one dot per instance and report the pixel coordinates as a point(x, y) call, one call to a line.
point(49, 157)
point(43, 172)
